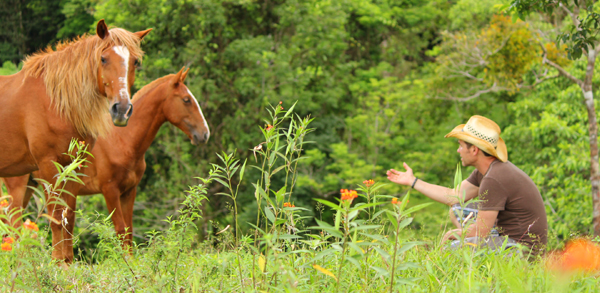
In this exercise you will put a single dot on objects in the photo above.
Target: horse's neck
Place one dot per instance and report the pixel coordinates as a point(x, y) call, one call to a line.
point(146, 121)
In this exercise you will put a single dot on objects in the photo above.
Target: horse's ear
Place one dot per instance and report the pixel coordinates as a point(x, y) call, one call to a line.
point(184, 75)
point(102, 29)
point(177, 78)
point(142, 34)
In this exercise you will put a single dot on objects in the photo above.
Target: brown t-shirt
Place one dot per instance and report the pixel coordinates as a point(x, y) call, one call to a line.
point(507, 189)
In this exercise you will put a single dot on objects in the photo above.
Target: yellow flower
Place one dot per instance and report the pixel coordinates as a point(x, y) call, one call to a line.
point(288, 205)
point(4, 203)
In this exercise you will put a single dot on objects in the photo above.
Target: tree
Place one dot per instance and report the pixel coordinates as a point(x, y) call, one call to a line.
point(581, 41)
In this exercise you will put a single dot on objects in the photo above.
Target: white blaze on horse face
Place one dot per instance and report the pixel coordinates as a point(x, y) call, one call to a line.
point(124, 53)
point(200, 110)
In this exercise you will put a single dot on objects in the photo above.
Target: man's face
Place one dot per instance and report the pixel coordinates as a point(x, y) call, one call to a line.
point(467, 157)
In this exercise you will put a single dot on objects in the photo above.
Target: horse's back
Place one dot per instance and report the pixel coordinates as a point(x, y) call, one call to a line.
point(15, 101)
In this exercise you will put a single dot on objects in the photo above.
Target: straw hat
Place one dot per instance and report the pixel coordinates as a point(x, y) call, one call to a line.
point(483, 133)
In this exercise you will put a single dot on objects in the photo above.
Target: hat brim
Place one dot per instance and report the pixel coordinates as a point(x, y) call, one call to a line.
point(500, 151)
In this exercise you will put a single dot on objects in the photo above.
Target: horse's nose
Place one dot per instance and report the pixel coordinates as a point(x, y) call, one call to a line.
point(120, 113)
point(197, 138)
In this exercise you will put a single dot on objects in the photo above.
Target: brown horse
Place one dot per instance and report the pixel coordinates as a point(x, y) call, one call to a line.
point(118, 163)
point(63, 94)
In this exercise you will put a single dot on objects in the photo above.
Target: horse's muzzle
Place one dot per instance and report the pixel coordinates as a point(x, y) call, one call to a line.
point(120, 113)
point(198, 138)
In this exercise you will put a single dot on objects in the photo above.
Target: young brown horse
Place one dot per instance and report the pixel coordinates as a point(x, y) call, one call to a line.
point(118, 163)
point(60, 95)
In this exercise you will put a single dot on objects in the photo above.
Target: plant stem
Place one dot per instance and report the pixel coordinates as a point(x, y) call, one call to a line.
point(240, 271)
point(395, 251)
point(339, 274)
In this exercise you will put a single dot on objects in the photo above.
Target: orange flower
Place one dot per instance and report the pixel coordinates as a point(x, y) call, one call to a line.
point(8, 240)
point(280, 102)
point(369, 182)
point(269, 127)
point(4, 203)
point(580, 254)
point(6, 247)
point(288, 205)
point(395, 201)
point(30, 225)
point(281, 108)
point(348, 194)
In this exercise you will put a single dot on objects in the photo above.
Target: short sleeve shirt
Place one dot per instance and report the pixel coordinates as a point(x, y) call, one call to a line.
point(521, 213)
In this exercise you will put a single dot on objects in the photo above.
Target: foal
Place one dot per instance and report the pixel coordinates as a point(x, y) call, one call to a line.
point(118, 161)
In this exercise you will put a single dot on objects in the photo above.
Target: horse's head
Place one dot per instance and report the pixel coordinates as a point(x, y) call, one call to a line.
point(182, 109)
point(116, 70)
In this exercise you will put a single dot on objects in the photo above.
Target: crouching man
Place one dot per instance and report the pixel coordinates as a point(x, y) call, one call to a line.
point(509, 201)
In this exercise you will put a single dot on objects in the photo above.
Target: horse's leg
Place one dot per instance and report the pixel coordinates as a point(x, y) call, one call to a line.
point(47, 170)
point(29, 191)
point(111, 195)
point(69, 223)
point(17, 187)
point(127, 200)
point(62, 232)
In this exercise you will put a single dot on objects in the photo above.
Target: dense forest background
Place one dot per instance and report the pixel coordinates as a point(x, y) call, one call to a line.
point(384, 79)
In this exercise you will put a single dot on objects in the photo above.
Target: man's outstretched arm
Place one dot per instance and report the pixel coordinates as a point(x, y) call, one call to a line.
point(445, 195)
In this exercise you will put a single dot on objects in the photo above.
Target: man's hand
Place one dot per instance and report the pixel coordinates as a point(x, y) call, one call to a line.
point(451, 235)
point(404, 178)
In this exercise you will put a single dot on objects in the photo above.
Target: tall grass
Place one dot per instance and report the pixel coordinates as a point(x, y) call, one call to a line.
point(362, 250)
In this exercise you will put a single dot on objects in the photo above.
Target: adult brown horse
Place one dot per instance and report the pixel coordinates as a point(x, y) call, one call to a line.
point(63, 94)
point(118, 163)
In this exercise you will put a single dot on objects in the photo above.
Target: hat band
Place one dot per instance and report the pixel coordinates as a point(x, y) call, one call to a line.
point(471, 130)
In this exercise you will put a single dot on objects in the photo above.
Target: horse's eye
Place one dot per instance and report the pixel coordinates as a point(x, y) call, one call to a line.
point(186, 100)
point(103, 60)
point(137, 63)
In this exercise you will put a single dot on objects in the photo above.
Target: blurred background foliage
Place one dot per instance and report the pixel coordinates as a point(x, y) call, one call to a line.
point(385, 79)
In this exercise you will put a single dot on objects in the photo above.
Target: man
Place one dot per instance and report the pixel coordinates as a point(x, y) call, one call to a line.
point(508, 197)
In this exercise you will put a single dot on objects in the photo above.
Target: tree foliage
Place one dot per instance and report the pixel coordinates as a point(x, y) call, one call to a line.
point(384, 79)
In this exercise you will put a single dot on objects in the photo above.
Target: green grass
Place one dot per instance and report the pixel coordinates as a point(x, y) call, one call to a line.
point(368, 247)
point(209, 269)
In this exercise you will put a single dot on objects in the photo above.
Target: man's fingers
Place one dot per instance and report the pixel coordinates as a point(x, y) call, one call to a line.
point(407, 167)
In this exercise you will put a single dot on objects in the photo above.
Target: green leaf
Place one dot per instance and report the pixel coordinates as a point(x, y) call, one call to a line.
point(269, 214)
point(383, 253)
point(365, 206)
point(328, 203)
point(381, 271)
point(222, 182)
point(242, 170)
point(278, 169)
point(405, 223)
point(417, 207)
point(355, 262)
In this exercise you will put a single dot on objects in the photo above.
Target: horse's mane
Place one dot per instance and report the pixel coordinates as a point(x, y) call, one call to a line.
point(147, 88)
point(70, 75)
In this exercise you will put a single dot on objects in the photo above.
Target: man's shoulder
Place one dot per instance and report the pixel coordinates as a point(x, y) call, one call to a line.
point(500, 169)
point(507, 173)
